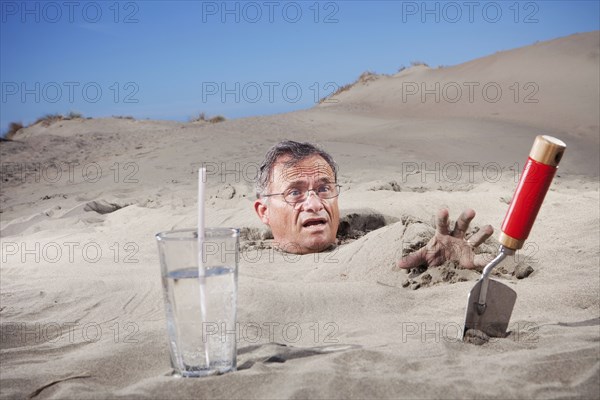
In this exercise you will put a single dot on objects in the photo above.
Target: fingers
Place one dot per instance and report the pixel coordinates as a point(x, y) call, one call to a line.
point(446, 247)
point(481, 236)
point(413, 260)
point(441, 222)
point(462, 223)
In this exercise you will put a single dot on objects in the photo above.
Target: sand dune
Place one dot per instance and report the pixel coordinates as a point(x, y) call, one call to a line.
point(81, 303)
point(535, 85)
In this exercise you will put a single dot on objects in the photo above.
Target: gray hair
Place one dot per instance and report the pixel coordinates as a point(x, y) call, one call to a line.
point(297, 151)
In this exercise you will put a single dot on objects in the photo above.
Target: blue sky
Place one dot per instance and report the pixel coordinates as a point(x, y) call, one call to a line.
point(172, 60)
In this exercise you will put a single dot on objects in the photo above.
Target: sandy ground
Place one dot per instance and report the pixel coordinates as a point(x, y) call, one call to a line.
point(81, 307)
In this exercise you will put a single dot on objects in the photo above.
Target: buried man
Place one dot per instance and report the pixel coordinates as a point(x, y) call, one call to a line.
point(297, 197)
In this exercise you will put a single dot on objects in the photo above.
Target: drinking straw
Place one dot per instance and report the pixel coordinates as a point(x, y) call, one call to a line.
point(201, 267)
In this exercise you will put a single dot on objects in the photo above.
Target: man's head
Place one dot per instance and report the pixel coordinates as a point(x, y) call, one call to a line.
point(297, 197)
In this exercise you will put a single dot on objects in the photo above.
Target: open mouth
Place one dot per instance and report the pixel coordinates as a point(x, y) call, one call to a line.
point(314, 222)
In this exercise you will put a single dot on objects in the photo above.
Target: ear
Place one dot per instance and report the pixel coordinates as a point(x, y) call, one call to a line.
point(262, 211)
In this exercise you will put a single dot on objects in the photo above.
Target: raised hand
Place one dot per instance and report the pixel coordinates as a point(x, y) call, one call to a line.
point(448, 245)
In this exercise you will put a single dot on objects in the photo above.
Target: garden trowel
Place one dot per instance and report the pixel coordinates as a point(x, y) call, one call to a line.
point(490, 302)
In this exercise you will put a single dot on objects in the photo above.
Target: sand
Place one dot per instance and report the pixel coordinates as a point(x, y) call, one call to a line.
point(81, 307)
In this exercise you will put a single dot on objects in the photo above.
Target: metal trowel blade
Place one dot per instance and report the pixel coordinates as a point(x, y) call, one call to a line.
point(492, 319)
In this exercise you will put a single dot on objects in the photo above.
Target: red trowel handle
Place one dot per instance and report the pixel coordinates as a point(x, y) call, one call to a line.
point(534, 183)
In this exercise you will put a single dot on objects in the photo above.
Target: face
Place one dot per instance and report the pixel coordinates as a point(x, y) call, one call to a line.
point(306, 227)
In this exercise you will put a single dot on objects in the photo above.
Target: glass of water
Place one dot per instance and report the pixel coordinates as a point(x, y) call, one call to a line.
point(201, 310)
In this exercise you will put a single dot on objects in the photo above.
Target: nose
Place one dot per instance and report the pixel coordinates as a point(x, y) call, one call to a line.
point(312, 203)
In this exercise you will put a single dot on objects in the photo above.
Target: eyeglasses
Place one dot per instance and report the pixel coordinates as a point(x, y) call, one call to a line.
point(293, 196)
